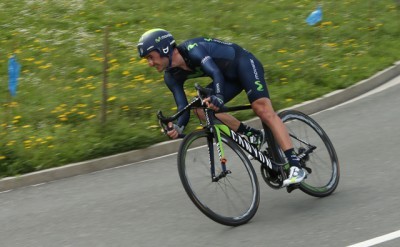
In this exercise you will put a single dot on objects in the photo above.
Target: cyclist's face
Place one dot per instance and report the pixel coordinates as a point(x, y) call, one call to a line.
point(155, 60)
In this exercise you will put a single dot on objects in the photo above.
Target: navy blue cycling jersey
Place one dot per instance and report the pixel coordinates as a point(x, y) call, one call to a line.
point(231, 68)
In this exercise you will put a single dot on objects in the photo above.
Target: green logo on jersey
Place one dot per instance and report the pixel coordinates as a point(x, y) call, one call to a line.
point(260, 86)
point(191, 46)
point(208, 40)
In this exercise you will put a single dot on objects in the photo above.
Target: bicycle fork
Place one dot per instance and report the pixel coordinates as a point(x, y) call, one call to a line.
point(216, 135)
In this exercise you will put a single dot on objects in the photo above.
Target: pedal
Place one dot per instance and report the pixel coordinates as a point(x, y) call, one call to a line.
point(292, 187)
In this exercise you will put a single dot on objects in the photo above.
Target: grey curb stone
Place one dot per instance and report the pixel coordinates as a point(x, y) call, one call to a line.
point(169, 147)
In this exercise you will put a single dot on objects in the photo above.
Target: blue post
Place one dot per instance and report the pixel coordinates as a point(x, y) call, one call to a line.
point(315, 16)
point(13, 75)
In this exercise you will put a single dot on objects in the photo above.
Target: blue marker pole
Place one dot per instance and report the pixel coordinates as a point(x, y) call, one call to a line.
point(13, 75)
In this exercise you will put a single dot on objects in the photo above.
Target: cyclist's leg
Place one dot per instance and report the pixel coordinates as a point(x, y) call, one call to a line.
point(252, 79)
point(262, 107)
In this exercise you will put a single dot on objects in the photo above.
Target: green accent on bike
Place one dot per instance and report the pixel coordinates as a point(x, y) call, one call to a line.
point(191, 46)
point(223, 128)
point(286, 167)
point(260, 86)
point(321, 189)
point(219, 143)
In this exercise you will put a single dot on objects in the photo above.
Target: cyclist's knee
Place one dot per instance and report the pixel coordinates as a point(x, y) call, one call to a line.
point(199, 114)
point(263, 108)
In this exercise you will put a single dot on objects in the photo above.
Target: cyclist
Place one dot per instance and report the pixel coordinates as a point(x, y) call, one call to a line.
point(232, 69)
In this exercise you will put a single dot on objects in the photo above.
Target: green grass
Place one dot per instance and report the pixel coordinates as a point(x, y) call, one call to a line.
point(55, 119)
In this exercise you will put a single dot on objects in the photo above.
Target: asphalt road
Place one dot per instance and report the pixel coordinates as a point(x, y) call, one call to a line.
point(144, 204)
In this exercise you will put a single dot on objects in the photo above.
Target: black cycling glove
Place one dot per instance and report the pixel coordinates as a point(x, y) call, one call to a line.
point(217, 100)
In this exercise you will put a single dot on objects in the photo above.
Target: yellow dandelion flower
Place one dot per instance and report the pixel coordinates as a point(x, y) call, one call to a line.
point(332, 45)
point(46, 66)
point(112, 98)
point(326, 23)
point(81, 70)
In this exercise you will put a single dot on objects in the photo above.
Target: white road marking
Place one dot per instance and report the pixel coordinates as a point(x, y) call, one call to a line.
point(395, 81)
point(378, 240)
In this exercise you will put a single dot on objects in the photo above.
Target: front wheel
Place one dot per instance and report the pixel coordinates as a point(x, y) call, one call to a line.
point(232, 199)
point(317, 153)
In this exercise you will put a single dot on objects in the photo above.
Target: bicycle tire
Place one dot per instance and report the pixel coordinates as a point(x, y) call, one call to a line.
point(233, 200)
point(323, 161)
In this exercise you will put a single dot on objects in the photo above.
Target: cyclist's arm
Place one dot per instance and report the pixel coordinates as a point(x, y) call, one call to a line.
point(176, 87)
point(211, 69)
point(200, 56)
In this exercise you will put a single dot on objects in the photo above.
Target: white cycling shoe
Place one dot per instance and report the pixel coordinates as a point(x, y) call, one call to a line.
point(296, 175)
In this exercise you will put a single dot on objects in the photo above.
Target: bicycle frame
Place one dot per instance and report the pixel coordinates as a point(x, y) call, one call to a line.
point(276, 163)
point(243, 143)
point(216, 129)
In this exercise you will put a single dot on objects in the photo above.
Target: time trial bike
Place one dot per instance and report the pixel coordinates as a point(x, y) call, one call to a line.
point(219, 177)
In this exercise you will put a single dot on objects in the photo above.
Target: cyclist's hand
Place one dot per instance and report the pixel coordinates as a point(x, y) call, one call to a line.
point(215, 102)
point(174, 131)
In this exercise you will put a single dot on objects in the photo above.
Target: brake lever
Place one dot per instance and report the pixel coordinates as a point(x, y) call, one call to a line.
point(203, 92)
point(163, 122)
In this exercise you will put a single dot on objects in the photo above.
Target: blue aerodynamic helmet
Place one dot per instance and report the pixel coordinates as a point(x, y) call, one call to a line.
point(156, 39)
